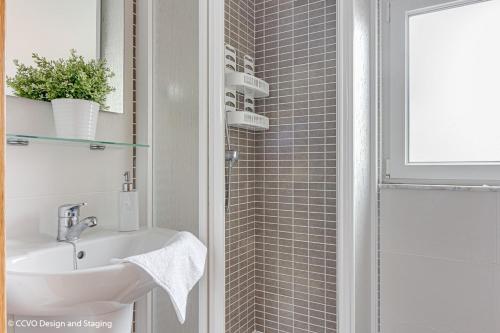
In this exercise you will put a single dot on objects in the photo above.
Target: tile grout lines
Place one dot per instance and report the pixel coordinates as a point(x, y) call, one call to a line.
point(324, 171)
point(291, 201)
point(308, 172)
point(293, 176)
point(279, 188)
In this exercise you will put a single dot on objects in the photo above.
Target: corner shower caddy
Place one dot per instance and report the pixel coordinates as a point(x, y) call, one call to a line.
point(247, 84)
point(250, 86)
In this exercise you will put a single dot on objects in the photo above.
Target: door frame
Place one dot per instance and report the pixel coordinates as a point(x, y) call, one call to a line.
point(216, 166)
point(347, 188)
point(346, 257)
point(357, 156)
point(3, 304)
point(345, 240)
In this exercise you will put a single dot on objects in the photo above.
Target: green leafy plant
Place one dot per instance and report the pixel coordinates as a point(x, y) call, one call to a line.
point(63, 78)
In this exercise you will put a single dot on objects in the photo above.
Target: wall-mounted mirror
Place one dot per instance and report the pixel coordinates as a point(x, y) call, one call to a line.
point(94, 28)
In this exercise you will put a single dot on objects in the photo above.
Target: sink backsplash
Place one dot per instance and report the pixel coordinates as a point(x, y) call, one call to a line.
point(41, 177)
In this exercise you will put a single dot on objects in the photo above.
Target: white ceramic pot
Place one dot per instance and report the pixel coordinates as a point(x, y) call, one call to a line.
point(75, 118)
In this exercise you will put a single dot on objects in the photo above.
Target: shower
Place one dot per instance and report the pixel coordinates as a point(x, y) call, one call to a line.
point(280, 107)
point(231, 157)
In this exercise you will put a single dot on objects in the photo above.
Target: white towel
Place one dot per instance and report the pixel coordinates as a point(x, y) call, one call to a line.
point(176, 268)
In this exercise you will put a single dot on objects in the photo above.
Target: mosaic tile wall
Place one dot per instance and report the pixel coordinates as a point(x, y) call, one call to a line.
point(240, 221)
point(296, 167)
point(281, 232)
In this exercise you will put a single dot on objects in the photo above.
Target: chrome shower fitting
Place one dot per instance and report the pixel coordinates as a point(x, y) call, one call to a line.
point(232, 156)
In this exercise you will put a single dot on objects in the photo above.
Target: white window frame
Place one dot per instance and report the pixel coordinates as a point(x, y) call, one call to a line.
point(394, 92)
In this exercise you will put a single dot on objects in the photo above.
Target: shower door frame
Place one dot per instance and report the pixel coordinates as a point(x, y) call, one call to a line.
point(206, 285)
point(357, 265)
point(216, 166)
point(346, 257)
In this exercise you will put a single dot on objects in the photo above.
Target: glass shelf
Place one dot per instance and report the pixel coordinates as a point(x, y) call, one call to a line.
point(24, 140)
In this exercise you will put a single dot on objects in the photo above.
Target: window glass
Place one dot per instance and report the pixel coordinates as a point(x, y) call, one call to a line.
point(453, 85)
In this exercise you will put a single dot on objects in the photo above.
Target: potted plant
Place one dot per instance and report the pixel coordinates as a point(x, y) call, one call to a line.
point(76, 88)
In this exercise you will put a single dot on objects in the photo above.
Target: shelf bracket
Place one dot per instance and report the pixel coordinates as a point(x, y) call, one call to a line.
point(17, 142)
point(97, 147)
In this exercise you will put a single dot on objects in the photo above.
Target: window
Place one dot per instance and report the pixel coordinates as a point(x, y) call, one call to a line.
point(441, 83)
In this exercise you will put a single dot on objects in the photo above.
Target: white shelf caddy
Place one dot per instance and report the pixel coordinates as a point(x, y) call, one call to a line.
point(247, 120)
point(247, 84)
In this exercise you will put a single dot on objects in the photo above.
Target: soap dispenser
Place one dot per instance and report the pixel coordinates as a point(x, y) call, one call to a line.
point(129, 206)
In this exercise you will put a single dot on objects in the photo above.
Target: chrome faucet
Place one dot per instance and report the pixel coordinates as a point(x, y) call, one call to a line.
point(69, 228)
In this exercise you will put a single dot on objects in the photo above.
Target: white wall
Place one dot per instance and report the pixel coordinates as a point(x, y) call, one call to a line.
point(50, 28)
point(41, 177)
point(440, 261)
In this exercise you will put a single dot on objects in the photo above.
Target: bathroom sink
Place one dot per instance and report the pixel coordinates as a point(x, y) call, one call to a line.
point(42, 280)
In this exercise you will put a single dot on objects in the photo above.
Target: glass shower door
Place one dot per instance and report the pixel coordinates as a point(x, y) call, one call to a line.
point(175, 139)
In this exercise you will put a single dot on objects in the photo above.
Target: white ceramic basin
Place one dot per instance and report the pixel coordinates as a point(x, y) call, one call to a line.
point(42, 282)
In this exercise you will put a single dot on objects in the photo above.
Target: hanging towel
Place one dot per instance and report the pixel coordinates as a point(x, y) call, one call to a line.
point(176, 268)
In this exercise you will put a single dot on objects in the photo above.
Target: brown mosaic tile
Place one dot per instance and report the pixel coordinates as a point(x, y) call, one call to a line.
point(240, 222)
point(281, 232)
point(294, 53)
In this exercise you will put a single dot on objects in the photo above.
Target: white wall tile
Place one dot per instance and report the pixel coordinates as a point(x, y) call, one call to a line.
point(456, 225)
point(26, 116)
point(498, 229)
point(43, 176)
point(29, 216)
point(420, 294)
point(49, 169)
point(497, 297)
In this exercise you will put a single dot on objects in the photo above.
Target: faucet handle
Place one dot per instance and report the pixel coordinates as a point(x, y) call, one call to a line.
point(70, 210)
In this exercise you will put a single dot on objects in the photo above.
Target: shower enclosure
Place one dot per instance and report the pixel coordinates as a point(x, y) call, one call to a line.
point(277, 241)
point(280, 231)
